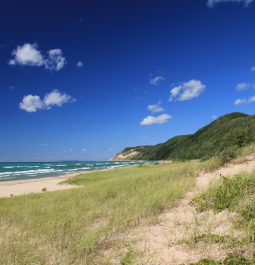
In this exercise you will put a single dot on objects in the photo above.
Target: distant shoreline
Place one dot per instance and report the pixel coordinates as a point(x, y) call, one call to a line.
point(29, 186)
point(18, 171)
point(36, 185)
point(21, 181)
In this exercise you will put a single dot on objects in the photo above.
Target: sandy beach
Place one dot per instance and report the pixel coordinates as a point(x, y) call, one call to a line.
point(22, 187)
point(28, 186)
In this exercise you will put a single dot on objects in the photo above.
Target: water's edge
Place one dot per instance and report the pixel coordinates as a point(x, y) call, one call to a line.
point(34, 170)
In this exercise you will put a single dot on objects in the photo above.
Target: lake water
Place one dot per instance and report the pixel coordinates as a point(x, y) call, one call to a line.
point(31, 170)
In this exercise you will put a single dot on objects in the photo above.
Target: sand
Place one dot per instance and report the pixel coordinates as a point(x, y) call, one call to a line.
point(22, 187)
point(170, 240)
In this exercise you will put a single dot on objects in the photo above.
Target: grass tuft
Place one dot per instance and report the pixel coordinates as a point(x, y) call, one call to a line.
point(128, 258)
point(231, 259)
point(227, 193)
point(236, 194)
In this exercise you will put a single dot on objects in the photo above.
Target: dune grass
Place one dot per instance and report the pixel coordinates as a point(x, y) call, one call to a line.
point(228, 193)
point(237, 195)
point(247, 150)
point(231, 259)
point(76, 226)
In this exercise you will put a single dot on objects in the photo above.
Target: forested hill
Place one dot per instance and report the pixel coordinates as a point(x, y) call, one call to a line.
point(230, 131)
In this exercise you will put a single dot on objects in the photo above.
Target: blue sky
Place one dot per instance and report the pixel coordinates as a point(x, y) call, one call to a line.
point(84, 79)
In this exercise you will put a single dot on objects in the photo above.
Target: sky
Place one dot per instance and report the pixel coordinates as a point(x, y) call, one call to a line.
point(81, 80)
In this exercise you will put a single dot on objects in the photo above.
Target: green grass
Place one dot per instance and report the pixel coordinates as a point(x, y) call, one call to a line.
point(238, 155)
point(227, 194)
point(128, 258)
point(247, 150)
point(235, 194)
point(75, 226)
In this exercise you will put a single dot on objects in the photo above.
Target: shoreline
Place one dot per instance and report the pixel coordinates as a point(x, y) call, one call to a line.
point(21, 187)
point(28, 186)
point(21, 181)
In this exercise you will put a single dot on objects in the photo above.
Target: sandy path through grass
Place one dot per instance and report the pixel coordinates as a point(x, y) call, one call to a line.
point(175, 238)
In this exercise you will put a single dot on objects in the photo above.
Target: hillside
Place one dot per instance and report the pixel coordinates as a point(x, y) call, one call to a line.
point(228, 132)
point(130, 152)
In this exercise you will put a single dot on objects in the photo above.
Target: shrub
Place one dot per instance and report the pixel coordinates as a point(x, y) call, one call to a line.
point(228, 154)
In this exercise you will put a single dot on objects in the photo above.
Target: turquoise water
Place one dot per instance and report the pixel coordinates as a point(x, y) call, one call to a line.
point(31, 170)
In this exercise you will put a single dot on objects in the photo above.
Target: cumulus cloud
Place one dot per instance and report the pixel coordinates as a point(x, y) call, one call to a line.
point(241, 101)
point(212, 3)
point(155, 81)
point(79, 64)
point(55, 60)
point(29, 54)
point(149, 120)
point(187, 90)
point(253, 69)
point(32, 103)
point(155, 107)
point(56, 98)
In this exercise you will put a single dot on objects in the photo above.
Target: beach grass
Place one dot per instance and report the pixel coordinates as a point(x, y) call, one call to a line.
point(78, 226)
point(236, 194)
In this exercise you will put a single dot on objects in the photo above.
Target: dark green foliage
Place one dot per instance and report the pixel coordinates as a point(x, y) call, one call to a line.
point(128, 150)
point(220, 138)
point(228, 154)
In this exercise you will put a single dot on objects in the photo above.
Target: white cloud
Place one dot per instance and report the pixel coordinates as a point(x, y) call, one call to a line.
point(155, 81)
point(29, 54)
point(79, 64)
point(155, 107)
point(253, 69)
point(245, 86)
point(187, 90)
point(214, 117)
point(149, 120)
point(56, 98)
point(32, 103)
point(241, 101)
point(252, 99)
point(212, 3)
point(55, 61)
